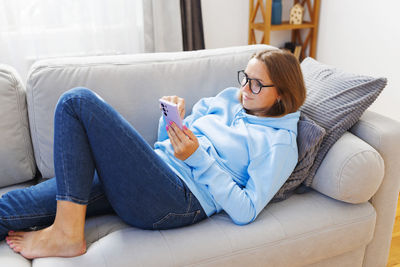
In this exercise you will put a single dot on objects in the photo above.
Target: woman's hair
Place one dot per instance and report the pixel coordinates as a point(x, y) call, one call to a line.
point(284, 71)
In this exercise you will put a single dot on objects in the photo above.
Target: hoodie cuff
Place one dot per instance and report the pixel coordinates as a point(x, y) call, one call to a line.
point(198, 158)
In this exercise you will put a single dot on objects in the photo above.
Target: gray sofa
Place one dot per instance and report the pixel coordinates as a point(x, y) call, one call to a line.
point(345, 220)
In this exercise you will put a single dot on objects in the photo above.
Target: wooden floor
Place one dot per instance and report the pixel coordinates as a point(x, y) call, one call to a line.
point(394, 254)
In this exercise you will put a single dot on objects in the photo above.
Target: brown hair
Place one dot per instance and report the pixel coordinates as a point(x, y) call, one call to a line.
point(284, 71)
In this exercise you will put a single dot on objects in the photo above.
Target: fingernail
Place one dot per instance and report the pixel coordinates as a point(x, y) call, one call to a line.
point(170, 123)
point(167, 127)
point(184, 126)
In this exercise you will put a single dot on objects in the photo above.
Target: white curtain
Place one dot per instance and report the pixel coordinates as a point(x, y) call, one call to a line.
point(162, 26)
point(36, 29)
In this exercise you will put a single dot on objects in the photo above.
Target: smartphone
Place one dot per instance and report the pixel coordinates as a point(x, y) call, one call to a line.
point(170, 112)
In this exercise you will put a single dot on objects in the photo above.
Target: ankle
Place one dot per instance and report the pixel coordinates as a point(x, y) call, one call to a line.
point(68, 232)
point(70, 219)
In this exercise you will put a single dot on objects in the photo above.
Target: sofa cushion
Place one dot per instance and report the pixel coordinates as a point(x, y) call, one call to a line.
point(299, 231)
point(309, 138)
point(335, 100)
point(351, 171)
point(16, 155)
point(9, 258)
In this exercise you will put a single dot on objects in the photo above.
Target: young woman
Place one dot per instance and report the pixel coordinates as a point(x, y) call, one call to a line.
point(234, 153)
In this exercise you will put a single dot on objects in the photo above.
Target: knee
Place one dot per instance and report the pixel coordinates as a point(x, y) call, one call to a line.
point(81, 93)
point(77, 92)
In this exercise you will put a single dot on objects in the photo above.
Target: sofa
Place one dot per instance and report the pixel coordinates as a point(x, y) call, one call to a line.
point(345, 219)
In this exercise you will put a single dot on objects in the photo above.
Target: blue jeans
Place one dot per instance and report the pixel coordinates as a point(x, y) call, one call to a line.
point(101, 161)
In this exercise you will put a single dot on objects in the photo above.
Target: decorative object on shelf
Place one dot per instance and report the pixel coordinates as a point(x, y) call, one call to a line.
point(304, 34)
point(276, 15)
point(296, 14)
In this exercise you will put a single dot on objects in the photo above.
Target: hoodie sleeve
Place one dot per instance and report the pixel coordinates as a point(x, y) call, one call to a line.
point(162, 132)
point(199, 109)
point(267, 173)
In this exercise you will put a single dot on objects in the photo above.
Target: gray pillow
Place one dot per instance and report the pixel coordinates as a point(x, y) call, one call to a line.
point(309, 138)
point(335, 100)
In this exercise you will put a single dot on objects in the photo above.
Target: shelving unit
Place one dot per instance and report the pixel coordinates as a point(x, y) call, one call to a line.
point(310, 41)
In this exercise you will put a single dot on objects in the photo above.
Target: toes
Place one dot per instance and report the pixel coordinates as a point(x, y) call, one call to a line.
point(11, 244)
point(17, 249)
point(12, 238)
point(12, 233)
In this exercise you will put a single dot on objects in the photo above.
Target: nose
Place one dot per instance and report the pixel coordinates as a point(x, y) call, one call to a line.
point(246, 87)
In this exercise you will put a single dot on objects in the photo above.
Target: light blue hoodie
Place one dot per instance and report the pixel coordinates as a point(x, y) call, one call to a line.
point(242, 160)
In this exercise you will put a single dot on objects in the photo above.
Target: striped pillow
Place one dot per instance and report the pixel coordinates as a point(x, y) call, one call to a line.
point(335, 100)
point(309, 138)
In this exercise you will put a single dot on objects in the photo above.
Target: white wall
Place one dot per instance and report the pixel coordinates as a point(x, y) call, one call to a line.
point(226, 23)
point(363, 36)
point(359, 36)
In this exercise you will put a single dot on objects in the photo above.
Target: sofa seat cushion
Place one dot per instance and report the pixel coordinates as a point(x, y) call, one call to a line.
point(301, 230)
point(16, 154)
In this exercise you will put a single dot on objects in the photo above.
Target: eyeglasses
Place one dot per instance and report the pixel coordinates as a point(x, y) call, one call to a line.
point(255, 87)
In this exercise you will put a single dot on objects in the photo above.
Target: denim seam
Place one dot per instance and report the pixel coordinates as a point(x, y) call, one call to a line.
point(8, 218)
point(96, 198)
point(66, 188)
point(73, 199)
point(24, 217)
point(173, 214)
point(190, 202)
point(195, 217)
point(127, 133)
point(66, 185)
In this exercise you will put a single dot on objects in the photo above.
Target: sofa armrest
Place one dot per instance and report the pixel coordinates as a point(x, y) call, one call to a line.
point(352, 171)
point(383, 134)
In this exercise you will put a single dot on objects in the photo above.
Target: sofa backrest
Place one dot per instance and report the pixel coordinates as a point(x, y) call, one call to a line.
point(132, 84)
point(17, 163)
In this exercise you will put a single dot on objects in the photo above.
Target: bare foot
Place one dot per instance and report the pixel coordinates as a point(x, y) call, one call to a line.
point(48, 242)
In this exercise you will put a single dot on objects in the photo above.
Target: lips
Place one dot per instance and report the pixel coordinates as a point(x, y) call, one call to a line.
point(246, 97)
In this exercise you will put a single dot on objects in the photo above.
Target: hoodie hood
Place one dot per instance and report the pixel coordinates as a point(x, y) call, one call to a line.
point(287, 122)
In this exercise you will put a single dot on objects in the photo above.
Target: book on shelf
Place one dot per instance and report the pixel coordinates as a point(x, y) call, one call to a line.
point(293, 48)
point(297, 51)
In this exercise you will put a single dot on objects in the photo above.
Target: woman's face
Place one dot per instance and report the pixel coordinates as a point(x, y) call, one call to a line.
point(257, 103)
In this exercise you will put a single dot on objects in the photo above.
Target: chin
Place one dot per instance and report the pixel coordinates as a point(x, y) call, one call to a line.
point(246, 104)
point(247, 108)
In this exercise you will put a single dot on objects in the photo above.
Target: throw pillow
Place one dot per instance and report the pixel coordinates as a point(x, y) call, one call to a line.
point(335, 100)
point(309, 138)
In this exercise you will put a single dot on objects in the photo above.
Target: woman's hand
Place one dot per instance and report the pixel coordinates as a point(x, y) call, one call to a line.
point(183, 141)
point(179, 101)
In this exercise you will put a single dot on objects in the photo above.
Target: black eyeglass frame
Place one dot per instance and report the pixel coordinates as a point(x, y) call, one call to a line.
point(248, 80)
